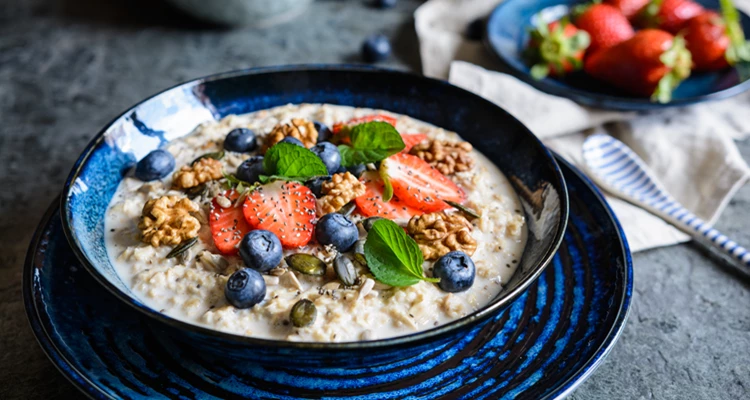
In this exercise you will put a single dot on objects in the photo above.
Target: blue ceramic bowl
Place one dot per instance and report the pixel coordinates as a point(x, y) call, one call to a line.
point(508, 33)
point(176, 112)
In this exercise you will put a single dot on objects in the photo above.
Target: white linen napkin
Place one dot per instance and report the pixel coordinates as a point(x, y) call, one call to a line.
point(690, 149)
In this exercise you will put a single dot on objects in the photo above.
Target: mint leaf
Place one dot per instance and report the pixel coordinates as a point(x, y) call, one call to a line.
point(392, 256)
point(286, 160)
point(371, 142)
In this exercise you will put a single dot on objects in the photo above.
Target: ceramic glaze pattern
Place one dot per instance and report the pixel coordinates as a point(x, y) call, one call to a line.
point(507, 38)
point(544, 344)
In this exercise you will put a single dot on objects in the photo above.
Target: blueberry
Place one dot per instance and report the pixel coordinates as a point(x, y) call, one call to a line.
point(384, 3)
point(324, 132)
point(455, 270)
point(357, 170)
point(376, 48)
point(156, 165)
point(251, 170)
point(337, 230)
point(316, 184)
point(245, 288)
point(260, 250)
point(329, 153)
point(240, 140)
point(475, 30)
point(292, 140)
point(341, 170)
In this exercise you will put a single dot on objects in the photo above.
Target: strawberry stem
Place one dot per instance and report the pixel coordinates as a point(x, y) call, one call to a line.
point(649, 15)
point(739, 49)
point(387, 185)
point(679, 61)
point(550, 49)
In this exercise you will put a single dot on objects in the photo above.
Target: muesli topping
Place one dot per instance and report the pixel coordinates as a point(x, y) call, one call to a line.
point(362, 229)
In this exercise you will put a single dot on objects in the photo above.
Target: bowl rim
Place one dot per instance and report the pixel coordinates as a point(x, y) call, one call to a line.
point(600, 100)
point(415, 337)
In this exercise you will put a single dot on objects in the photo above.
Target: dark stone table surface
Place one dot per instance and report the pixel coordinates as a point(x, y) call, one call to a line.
point(69, 66)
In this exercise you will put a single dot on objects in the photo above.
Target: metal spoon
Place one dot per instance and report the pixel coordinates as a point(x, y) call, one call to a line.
point(618, 170)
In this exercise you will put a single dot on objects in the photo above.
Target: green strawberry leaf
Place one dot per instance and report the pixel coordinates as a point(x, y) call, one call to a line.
point(541, 26)
point(387, 185)
point(580, 41)
point(370, 142)
point(679, 61)
point(292, 162)
point(539, 71)
point(739, 49)
point(394, 257)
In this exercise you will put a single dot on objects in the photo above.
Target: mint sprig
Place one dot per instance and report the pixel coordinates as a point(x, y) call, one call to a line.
point(394, 257)
point(291, 162)
point(370, 142)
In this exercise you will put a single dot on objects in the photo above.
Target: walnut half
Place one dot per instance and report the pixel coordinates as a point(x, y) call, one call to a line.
point(439, 233)
point(204, 170)
point(297, 128)
point(341, 189)
point(167, 220)
point(447, 157)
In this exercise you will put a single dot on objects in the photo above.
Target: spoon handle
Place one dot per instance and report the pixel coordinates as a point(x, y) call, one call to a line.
point(677, 215)
point(616, 168)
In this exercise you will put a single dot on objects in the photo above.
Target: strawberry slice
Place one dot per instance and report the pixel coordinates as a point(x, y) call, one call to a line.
point(412, 139)
point(371, 203)
point(285, 208)
point(228, 225)
point(420, 185)
point(337, 127)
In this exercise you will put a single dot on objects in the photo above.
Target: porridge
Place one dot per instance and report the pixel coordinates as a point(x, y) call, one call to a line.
point(360, 225)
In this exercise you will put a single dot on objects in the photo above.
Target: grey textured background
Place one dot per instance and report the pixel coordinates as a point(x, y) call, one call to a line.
point(69, 66)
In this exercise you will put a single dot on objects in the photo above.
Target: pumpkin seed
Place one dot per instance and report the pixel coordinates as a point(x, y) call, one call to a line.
point(359, 252)
point(360, 258)
point(345, 270)
point(182, 247)
point(367, 223)
point(307, 264)
point(303, 313)
point(348, 208)
point(216, 156)
point(466, 210)
point(196, 191)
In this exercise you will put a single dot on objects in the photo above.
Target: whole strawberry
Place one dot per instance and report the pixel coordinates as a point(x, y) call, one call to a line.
point(668, 15)
point(716, 41)
point(605, 24)
point(651, 63)
point(556, 49)
point(628, 8)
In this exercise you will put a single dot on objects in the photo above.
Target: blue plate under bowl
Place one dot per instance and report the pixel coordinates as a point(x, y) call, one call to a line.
point(508, 30)
point(540, 347)
point(177, 111)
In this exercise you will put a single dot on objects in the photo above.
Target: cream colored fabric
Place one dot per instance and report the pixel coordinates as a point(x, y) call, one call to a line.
point(690, 149)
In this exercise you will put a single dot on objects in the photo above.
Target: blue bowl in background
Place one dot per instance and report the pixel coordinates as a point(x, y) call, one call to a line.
point(177, 111)
point(507, 34)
